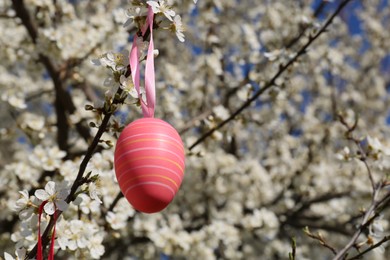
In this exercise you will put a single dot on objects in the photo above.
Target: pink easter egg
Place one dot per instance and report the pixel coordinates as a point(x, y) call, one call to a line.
point(149, 164)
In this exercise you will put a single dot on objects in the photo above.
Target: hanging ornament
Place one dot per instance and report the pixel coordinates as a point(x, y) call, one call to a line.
point(149, 156)
point(149, 164)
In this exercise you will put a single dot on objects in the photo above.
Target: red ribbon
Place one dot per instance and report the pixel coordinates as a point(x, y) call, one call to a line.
point(51, 252)
point(150, 89)
point(39, 251)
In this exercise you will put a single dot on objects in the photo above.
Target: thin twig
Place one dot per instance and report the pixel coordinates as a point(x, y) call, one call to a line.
point(320, 239)
point(38, 94)
point(271, 82)
point(322, 198)
point(292, 254)
point(116, 200)
point(370, 215)
point(194, 121)
point(367, 220)
point(363, 155)
point(383, 240)
point(289, 45)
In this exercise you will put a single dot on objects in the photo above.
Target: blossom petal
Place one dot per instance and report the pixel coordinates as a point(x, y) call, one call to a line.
point(8, 256)
point(72, 245)
point(25, 194)
point(97, 251)
point(50, 188)
point(21, 253)
point(169, 14)
point(41, 194)
point(128, 22)
point(62, 194)
point(96, 62)
point(180, 36)
point(49, 208)
point(62, 205)
point(108, 82)
point(155, 6)
point(110, 56)
point(26, 213)
point(62, 242)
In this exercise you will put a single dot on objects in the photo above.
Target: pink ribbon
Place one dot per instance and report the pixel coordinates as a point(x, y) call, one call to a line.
point(51, 250)
point(150, 88)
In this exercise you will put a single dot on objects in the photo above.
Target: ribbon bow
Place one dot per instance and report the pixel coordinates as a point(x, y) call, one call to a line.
point(150, 91)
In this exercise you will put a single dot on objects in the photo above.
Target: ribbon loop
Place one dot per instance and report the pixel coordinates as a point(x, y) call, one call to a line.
point(51, 250)
point(150, 88)
point(39, 252)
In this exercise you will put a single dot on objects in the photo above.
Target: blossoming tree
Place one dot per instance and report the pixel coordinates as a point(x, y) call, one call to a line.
point(283, 108)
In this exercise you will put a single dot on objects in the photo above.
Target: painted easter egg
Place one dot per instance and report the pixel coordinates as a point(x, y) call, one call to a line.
point(149, 164)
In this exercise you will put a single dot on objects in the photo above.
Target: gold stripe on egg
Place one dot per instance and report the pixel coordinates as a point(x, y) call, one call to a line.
point(152, 139)
point(152, 175)
point(150, 157)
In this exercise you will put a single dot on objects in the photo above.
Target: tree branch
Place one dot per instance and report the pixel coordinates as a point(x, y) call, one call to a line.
point(79, 179)
point(317, 12)
point(63, 100)
point(271, 82)
point(322, 198)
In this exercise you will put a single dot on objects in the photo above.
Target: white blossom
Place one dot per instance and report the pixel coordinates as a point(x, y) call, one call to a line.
point(116, 61)
point(374, 144)
point(55, 198)
point(221, 112)
point(132, 14)
point(344, 155)
point(128, 86)
point(273, 55)
point(20, 254)
point(17, 102)
point(178, 28)
point(87, 205)
point(79, 235)
point(161, 7)
point(116, 220)
point(47, 158)
point(24, 205)
point(94, 192)
point(96, 248)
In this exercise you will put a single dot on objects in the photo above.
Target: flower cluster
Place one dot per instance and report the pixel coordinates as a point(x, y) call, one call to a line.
point(135, 13)
point(282, 163)
point(80, 234)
